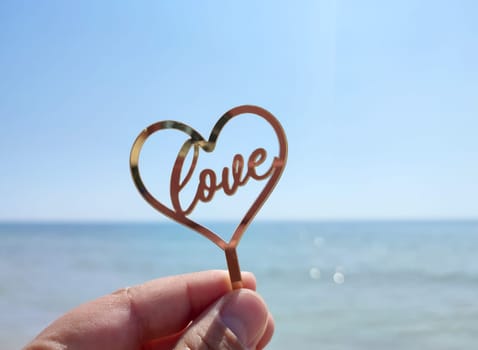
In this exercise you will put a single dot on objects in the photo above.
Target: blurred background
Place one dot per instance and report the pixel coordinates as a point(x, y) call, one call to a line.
point(369, 239)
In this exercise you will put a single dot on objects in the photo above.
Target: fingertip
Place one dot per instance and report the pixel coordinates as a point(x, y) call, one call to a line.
point(249, 280)
point(245, 314)
point(238, 320)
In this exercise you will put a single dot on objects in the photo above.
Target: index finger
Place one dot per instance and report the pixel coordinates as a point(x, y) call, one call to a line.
point(136, 315)
point(166, 306)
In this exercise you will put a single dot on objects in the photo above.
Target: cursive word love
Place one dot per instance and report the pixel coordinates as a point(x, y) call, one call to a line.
point(231, 178)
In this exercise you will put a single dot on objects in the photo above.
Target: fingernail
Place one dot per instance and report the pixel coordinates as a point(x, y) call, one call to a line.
point(245, 314)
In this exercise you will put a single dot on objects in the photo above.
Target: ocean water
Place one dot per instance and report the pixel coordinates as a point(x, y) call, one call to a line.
point(330, 285)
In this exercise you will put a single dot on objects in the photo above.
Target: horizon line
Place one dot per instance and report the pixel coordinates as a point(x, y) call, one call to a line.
point(291, 220)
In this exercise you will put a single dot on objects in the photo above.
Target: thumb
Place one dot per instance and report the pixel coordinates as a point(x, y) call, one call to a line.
point(236, 321)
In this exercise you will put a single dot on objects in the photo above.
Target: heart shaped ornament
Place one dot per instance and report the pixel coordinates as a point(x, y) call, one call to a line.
point(241, 172)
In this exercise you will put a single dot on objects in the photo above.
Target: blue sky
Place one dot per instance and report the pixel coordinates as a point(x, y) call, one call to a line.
point(379, 101)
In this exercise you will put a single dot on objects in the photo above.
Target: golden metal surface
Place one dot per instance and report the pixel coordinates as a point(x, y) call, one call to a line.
point(208, 180)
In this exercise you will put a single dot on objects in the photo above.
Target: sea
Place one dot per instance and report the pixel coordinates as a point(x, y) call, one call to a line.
point(330, 285)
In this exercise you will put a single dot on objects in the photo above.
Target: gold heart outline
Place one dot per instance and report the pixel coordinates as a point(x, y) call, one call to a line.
point(278, 165)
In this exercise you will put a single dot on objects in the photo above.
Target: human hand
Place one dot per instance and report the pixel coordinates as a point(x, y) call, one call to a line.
point(193, 311)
